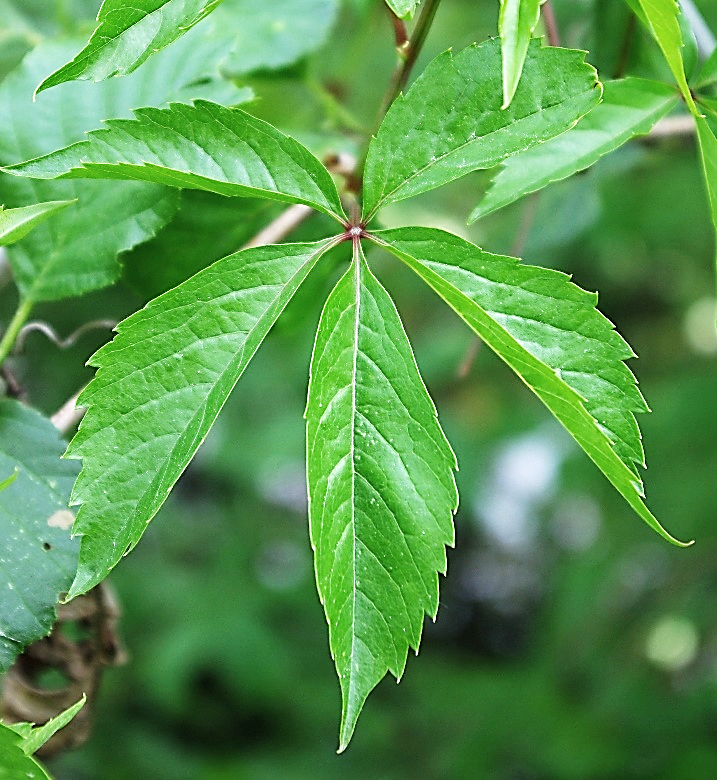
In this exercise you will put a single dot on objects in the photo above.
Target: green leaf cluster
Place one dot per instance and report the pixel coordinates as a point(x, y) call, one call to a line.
point(380, 470)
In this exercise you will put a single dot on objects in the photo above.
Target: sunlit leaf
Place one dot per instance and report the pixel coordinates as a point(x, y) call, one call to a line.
point(14, 763)
point(381, 488)
point(451, 123)
point(161, 383)
point(205, 147)
point(77, 250)
point(128, 33)
point(629, 108)
point(37, 557)
point(662, 21)
point(516, 22)
point(34, 737)
point(549, 332)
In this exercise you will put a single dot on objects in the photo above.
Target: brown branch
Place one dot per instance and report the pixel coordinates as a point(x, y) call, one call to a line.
point(551, 24)
point(279, 228)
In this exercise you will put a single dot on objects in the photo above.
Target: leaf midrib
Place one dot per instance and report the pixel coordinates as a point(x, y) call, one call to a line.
point(478, 139)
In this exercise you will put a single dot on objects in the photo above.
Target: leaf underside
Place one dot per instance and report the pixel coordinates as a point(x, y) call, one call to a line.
point(630, 107)
point(204, 146)
point(15, 224)
point(381, 488)
point(161, 384)
point(549, 332)
point(451, 123)
point(128, 34)
point(37, 556)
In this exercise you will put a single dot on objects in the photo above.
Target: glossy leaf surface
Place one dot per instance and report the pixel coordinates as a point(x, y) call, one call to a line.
point(128, 33)
point(451, 123)
point(205, 147)
point(77, 250)
point(516, 22)
point(14, 763)
point(161, 383)
point(662, 21)
point(37, 557)
point(549, 332)
point(381, 488)
point(629, 108)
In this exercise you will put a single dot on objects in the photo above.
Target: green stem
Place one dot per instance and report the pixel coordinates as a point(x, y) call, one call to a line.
point(411, 50)
point(18, 320)
point(408, 53)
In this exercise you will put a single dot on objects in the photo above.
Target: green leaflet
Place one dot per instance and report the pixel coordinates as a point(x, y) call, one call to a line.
point(549, 332)
point(15, 224)
point(273, 35)
point(662, 21)
point(451, 123)
point(161, 383)
point(77, 250)
point(404, 9)
point(32, 738)
point(204, 146)
point(128, 33)
point(516, 22)
point(708, 156)
point(37, 556)
point(14, 763)
point(630, 107)
point(381, 487)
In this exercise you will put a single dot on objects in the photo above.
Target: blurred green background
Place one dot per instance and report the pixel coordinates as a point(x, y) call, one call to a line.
point(572, 643)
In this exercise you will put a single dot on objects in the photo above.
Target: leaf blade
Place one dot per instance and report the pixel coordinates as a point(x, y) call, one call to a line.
point(38, 558)
point(127, 35)
point(160, 385)
point(379, 541)
point(204, 146)
point(404, 9)
point(548, 331)
point(662, 22)
point(450, 122)
point(77, 250)
point(630, 107)
point(708, 157)
point(516, 22)
point(15, 224)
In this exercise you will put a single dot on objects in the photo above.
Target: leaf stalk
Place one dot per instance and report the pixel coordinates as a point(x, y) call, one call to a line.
point(13, 329)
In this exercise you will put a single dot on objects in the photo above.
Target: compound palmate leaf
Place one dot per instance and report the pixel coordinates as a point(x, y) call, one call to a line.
point(204, 146)
point(37, 556)
point(161, 383)
point(451, 122)
point(630, 107)
point(128, 33)
point(381, 487)
point(549, 332)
